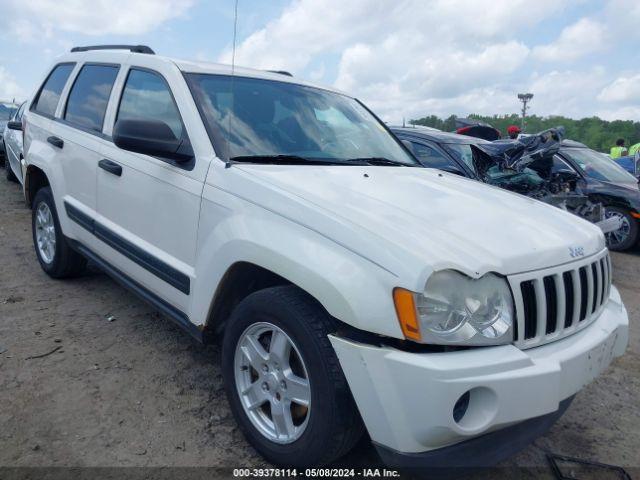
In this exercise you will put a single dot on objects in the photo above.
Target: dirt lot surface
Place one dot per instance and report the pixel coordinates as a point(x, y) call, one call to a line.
point(137, 391)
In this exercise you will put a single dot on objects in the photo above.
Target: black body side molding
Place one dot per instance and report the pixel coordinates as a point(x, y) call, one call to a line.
point(160, 269)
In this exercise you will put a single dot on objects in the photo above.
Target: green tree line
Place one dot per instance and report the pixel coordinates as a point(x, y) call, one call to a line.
point(594, 132)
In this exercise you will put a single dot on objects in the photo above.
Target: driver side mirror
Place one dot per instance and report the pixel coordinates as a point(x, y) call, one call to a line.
point(13, 125)
point(151, 137)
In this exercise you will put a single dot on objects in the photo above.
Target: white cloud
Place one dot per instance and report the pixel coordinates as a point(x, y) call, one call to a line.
point(9, 87)
point(38, 19)
point(415, 57)
point(406, 57)
point(584, 37)
point(622, 90)
point(567, 92)
point(310, 27)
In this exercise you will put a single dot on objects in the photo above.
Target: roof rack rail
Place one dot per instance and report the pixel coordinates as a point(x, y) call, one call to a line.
point(281, 72)
point(131, 48)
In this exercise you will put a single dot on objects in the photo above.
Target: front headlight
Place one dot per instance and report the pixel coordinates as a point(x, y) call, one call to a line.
point(458, 310)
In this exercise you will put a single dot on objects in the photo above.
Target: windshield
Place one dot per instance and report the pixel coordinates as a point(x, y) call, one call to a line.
point(461, 152)
point(598, 166)
point(248, 117)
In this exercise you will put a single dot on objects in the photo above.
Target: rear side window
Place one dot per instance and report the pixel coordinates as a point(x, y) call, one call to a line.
point(49, 95)
point(146, 96)
point(89, 96)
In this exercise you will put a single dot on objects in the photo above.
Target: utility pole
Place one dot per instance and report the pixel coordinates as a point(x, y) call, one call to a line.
point(524, 98)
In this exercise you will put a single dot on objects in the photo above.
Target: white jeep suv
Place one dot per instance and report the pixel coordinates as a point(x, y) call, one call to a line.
point(353, 289)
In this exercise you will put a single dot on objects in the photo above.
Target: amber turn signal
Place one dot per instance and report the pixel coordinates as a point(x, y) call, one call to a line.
point(407, 314)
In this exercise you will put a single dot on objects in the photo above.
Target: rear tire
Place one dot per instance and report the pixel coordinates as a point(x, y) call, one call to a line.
point(627, 236)
point(54, 253)
point(330, 425)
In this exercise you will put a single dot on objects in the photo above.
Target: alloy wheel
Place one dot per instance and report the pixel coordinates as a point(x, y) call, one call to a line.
point(619, 236)
point(272, 382)
point(45, 233)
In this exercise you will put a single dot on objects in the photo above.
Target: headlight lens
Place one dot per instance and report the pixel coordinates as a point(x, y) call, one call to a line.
point(456, 309)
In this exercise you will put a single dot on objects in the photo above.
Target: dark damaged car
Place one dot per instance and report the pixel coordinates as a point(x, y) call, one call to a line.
point(563, 173)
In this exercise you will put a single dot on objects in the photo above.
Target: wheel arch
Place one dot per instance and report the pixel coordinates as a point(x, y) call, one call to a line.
point(34, 179)
point(346, 289)
point(239, 281)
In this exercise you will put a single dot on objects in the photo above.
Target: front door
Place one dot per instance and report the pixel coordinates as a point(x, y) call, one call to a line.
point(148, 207)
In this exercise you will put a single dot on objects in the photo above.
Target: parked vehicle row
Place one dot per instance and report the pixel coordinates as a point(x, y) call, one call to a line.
point(566, 174)
point(7, 110)
point(12, 145)
point(353, 289)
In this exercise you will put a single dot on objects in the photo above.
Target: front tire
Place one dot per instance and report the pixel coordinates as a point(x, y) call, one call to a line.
point(284, 382)
point(627, 236)
point(54, 253)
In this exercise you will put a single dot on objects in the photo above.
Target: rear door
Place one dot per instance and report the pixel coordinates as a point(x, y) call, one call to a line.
point(78, 127)
point(149, 206)
point(38, 149)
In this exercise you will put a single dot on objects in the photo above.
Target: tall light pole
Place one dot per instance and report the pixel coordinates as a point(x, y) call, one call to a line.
point(524, 98)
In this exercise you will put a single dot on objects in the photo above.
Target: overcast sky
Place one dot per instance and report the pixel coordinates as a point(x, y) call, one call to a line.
point(403, 58)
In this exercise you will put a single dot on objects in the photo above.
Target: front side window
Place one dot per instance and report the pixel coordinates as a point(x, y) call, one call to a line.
point(89, 96)
point(559, 165)
point(598, 166)
point(146, 96)
point(462, 152)
point(250, 117)
point(49, 95)
point(430, 157)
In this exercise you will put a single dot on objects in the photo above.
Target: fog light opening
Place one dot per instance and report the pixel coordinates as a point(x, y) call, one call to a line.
point(461, 406)
point(475, 409)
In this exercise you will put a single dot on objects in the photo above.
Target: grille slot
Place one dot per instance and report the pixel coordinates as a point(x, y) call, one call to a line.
point(530, 309)
point(552, 303)
point(556, 302)
point(584, 292)
point(596, 290)
point(568, 306)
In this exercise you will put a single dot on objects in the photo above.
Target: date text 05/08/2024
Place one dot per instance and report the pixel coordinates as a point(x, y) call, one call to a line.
point(315, 472)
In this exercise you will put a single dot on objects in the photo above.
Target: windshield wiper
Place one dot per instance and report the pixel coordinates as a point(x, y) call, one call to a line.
point(378, 161)
point(285, 160)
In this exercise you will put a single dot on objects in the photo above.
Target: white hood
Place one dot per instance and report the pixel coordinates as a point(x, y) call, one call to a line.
point(412, 220)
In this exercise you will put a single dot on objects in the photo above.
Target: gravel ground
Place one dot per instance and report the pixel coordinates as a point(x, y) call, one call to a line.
point(126, 388)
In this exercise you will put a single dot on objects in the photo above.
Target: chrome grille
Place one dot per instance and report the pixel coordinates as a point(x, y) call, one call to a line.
point(556, 302)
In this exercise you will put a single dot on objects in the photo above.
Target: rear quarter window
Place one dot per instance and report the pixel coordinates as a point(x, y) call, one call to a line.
point(89, 96)
point(49, 95)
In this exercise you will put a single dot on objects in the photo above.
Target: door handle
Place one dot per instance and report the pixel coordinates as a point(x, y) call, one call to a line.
point(56, 142)
point(111, 167)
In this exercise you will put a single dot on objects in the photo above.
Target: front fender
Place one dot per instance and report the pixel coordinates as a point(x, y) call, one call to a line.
point(350, 287)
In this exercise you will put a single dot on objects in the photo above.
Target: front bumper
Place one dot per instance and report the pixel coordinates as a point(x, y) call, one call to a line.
point(483, 451)
point(407, 399)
